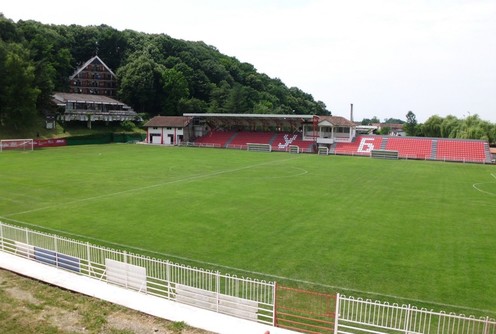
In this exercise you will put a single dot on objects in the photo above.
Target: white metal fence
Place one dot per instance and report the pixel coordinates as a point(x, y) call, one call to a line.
point(228, 294)
point(367, 316)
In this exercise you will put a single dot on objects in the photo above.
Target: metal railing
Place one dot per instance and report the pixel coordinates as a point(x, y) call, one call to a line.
point(238, 296)
point(356, 315)
point(241, 297)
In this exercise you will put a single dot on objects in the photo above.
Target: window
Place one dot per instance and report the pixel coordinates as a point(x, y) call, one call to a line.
point(342, 130)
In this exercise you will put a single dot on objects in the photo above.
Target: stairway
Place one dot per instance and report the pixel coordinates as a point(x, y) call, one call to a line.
point(434, 149)
point(384, 143)
point(488, 152)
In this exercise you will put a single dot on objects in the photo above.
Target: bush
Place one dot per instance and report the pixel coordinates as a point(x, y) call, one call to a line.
point(127, 125)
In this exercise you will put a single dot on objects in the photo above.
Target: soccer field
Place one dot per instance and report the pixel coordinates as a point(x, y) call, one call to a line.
point(419, 230)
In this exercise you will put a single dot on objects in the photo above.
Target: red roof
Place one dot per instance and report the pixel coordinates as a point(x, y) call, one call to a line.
point(337, 121)
point(168, 121)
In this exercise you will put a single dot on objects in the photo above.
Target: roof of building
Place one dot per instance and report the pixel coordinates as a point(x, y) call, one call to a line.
point(62, 98)
point(169, 121)
point(92, 60)
point(263, 116)
point(336, 120)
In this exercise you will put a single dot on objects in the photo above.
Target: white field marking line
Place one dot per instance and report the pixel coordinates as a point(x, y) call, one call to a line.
point(476, 186)
point(11, 200)
point(190, 178)
point(249, 271)
point(298, 169)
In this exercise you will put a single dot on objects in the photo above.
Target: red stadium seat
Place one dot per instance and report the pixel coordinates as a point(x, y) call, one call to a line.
point(362, 145)
point(410, 147)
point(461, 150)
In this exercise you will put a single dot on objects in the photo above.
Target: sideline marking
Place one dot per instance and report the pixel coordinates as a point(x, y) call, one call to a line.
point(251, 272)
point(190, 178)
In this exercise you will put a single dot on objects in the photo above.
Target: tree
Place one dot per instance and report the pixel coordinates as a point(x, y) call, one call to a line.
point(17, 92)
point(449, 127)
point(410, 126)
point(393, 121)
point(370, 121)
point(432, 127)
point(176, 89)
point(385, 130)
point(141, 83)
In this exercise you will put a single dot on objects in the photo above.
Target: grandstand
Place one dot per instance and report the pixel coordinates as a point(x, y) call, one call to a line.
point(311, 133)
point(411, 148)
point(459, 150)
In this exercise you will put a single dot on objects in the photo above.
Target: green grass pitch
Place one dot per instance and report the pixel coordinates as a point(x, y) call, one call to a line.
point(423, 231)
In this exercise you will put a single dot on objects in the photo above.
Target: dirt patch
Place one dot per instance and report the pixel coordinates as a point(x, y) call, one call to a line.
point(63, 319)
point(22, 295)
point(29, 306)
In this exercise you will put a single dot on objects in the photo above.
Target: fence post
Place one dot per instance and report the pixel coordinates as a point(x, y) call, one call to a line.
point(486, 326)
point(125, 261)
point(407, 319)
point(217, 289)
point(56, 250)
point(336, 314)
point(88, 257)
point(168, 279)
point(274, 304)
point(27, 235)
point(1, 235)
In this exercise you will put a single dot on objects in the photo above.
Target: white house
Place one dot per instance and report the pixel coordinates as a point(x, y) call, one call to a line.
point(168, 130)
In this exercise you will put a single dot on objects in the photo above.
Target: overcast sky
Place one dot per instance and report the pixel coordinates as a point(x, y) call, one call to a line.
point(385, 56)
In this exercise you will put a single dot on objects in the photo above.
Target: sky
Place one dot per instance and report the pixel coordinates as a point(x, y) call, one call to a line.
point(386, 57)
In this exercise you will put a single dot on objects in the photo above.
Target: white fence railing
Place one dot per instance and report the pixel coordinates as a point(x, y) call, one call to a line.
point(228, 294)
point(367, 316)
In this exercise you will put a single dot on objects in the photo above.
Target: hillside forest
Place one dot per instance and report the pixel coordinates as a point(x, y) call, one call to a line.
point(156, 74)
point(159, 75)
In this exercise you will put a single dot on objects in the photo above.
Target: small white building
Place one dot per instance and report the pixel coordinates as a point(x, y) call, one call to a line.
point(329, 129)
point(168, 130)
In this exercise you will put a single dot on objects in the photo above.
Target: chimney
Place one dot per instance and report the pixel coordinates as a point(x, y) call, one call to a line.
point(351, 113)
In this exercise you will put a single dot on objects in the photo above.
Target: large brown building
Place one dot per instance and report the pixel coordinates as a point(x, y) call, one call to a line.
point(93, 77)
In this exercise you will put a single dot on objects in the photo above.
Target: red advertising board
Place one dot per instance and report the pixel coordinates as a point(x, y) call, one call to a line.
point(49, 142)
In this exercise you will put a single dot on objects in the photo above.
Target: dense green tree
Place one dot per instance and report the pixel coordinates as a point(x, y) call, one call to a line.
point(393, 121)
point(51, 58)
point(175, 89)
point(432, 127)
point(410, 126)
point(192, 105)
point(8, 30)
point(237, 101)
point(17, 92)
point(141, 83)
point(385, 130)
point(370, 121)
point(449, 127)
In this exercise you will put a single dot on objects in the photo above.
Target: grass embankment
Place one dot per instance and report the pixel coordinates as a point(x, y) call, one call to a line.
point(31, 307)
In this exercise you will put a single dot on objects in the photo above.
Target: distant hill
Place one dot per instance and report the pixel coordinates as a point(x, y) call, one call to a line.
point(157, 74)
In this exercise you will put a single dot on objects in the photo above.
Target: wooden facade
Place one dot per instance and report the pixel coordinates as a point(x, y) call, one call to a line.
point(95, 78)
